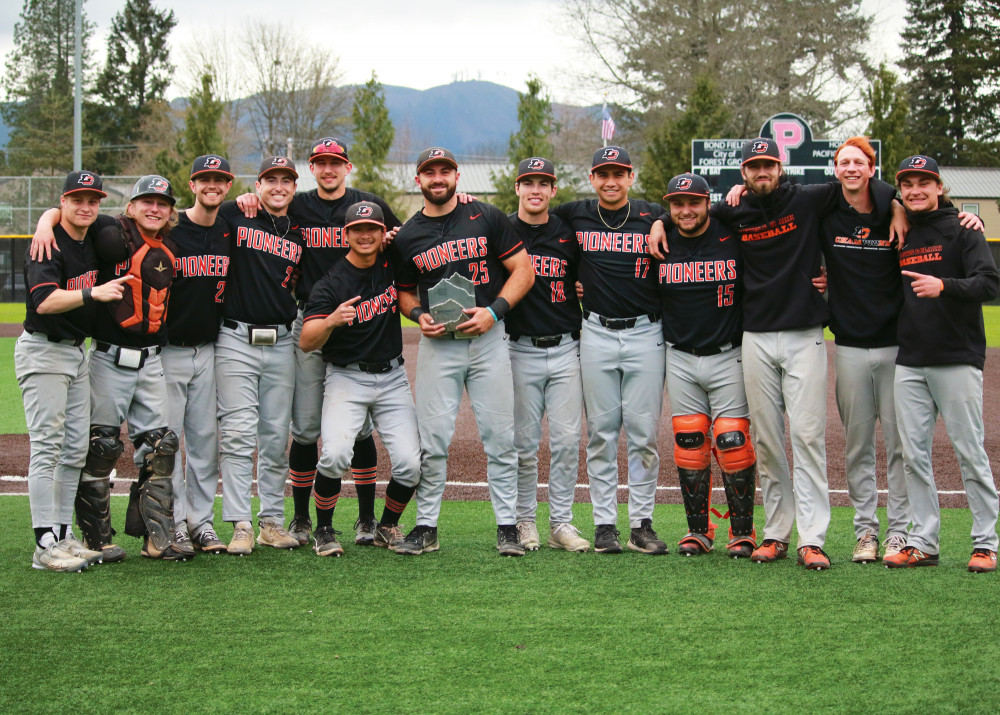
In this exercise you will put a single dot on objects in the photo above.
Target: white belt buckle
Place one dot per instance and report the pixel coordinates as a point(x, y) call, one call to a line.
point(129, 357)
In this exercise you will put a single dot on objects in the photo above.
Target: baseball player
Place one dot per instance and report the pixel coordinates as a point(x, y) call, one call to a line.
point(544, 334)
point(474, 240)
point(700, 284)
point(353, 317)
point(51, 367)
point(621, 348)
point(320, 216)
point(254, 363)
point(201, 260)
point(948, 273)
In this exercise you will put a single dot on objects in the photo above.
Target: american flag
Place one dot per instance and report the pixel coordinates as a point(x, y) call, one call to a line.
point(607, 124)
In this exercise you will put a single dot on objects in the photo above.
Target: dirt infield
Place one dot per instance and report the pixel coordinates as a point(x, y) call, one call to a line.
point(467, 462)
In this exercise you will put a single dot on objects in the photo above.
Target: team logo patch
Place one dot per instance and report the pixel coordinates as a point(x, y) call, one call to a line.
point(536, 164)
point(213, 162)
point(610, 154)
point(862, 233)
point(279, 161)
point(86, 179)
point(759, 147)
point(684, 184)
point(158, 185)
point(918, 162)
point(364, 212)
point(435, 153)
point(328, 146)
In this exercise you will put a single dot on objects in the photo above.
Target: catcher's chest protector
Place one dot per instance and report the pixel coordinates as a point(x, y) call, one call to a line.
point(143, 306)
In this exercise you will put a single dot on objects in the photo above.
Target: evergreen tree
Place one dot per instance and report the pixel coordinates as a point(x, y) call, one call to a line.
point(885, 102)
point(39, 86)
point(537, 125)
point(953, 57)
point(373, 137)
point(135, 75)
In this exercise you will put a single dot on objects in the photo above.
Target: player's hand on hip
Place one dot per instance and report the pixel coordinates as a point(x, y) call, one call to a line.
point(971, 221)
point(249, 204)
point(925, 286)
point(657, 245)
point(479, 322)
point(111, 291)
point(429, 328)
point(345, 314)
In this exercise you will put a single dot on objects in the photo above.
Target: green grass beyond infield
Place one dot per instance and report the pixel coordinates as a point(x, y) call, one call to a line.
point(464, 630)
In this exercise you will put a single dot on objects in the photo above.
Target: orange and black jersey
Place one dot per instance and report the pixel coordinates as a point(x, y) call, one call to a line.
point(615, 267)
point(322, 224)
point(72, 267)
point(264, 253)
point(551, 306)
point(375, 336)
point(473, 241)
point(864, 289)
point(201, 261)
point(701, 288)
point(947, 330)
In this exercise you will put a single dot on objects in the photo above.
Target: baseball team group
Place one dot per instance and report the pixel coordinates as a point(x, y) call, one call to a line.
point(217, 331)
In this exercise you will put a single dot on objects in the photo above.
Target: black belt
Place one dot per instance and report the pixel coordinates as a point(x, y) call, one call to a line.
point(75, 342)
point(706, 351)
point(546, 341)
point(375, 368)
point(621, 323)
point(234, 325)
point(185, 344)
point(146, 352)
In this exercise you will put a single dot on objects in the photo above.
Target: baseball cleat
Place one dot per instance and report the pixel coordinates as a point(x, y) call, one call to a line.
point(170, 553)
point(508, 543)
point(983, 561)
point(644, 540)
point(694, 545)
point(892, 545)
point(388, 536)
point(183, 543)
point(866, 550)
point(909, 557)
point(208, 541)
point(364, 531)
point(606, 539)
point(813, 558)
point(770, 550)
point(325, 542)
point(421, 540)
point(56, 558)
point(567, 537)
point(300, 528)
point(741, 547)
point(527, 534)
point(75, 547)
point(273, 533)
point(242, 541)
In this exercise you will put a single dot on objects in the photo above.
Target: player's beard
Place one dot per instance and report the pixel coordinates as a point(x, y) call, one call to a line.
point(439, 200)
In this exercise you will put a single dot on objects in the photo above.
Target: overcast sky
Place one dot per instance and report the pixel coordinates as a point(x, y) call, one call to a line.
point(416, 44)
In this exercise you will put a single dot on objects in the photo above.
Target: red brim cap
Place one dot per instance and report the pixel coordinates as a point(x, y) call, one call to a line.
point(83, 189)
point(365, 220)
point(214, 171)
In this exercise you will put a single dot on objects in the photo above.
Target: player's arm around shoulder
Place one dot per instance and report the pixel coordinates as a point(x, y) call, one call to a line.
point(982, 281)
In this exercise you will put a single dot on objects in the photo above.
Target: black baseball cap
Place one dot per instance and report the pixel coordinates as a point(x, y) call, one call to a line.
point(611, 156)
point(687, 185)
point(364, 212)
point(433, 154)
point(536, 166)
point(153, 185)
point(78, 181)
point(919, 164)
point(761, 148)
point(272, 164)
point(211, 164)
point(329, 146)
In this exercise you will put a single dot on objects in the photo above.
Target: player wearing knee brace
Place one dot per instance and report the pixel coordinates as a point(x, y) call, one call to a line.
point(701, 291)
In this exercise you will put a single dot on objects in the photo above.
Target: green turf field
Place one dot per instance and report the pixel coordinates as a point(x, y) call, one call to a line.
point(464, 630)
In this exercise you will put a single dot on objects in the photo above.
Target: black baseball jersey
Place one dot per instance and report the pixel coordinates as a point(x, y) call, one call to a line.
point(779, 234)
point(615, 267)
point(200, 265)
point(701, 288)
point(375, 336)
point(473, 241)
point(551, 306)
point(264, 253)
point(321, 222)
point(72, 267)
point(947, 330)
point(864, 289)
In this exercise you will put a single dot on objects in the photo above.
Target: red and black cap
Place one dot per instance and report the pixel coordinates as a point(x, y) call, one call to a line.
point(153, 185)
point(761, 148)
point(687, 185)
point(211, 164)
point(919, 164)
point(364, 212)
point(272, 164)
point(329, 146)
point(611, 156)
point(536, 166)
point(435, 154)
point(79, 181)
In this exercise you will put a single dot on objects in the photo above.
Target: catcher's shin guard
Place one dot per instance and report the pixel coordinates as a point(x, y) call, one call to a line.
point(163, 446)
point(103, 451)
point(156, 505)
point(134, 524)
point(740, 487)
point(93, 512)
point(696, 489)
point(738, 461)
point(694, 467)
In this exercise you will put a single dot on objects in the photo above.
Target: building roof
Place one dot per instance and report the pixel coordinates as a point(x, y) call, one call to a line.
point(968, 182)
